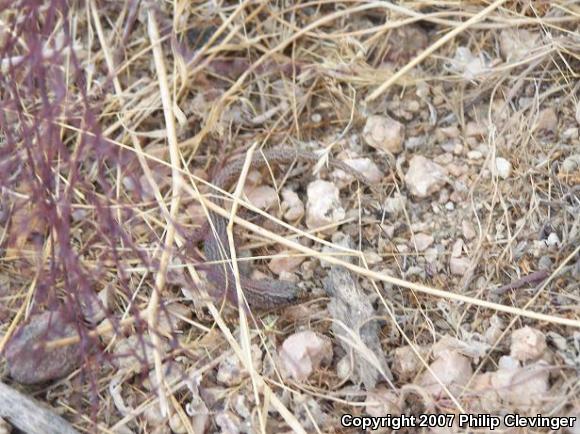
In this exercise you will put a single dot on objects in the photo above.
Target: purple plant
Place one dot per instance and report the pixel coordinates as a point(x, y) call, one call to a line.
point(66, 222)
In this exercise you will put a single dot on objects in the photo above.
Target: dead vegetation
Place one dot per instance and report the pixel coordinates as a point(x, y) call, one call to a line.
point(450, 285)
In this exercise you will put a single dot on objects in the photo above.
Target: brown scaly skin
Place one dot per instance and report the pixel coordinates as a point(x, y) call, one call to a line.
point(262, 294)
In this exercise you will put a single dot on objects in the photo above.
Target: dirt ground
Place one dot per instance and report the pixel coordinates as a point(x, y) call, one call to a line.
point(242, 217)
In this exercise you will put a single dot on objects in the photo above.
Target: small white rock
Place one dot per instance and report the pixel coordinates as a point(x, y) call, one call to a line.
point(228, 423)
point(286, 261)
point(431, 255)
point(129, 183)
point(570, 164)
point(372, 257)
point(523, 388)
point(263, 197)
point(381, 401)
point(323, 206)
point(450, 368)
point(516, 44)
point(424, 177)
point(367, 167)
point(457, 248)
point(254, 179)
point(78, 214)
point(495, 329)
point(423, 241)
point(388, 230)
point(474, 129)
point(570, 133)
point(231, 371)
point(176, 424)
point(344, 368)
point(304, 352)
point(451, 132)
point(547, 120)
point(527, 344)
point(553, 240)
point(406, 364)
point(292, 206)
point(468, 65)
point(395, 205)
point(468, 230)
point(503, 167)
point(474, 155)
point(459, 266)
point(384, 133)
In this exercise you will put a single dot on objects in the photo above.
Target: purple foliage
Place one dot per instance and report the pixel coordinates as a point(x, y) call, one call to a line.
point(54, 164)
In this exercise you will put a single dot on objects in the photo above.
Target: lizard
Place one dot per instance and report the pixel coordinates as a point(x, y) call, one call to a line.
point(267, 293)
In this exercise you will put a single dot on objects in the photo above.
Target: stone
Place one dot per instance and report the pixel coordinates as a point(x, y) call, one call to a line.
point(28, 359)
point(424, 177)
point(384, 133)
point(503, 167)
point(323, 205)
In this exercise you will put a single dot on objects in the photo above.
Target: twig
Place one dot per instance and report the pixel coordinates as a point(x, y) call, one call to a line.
point(29, 416)
point(177, 181)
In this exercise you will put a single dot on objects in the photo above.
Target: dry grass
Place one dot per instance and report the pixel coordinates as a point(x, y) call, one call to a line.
point(115, 116)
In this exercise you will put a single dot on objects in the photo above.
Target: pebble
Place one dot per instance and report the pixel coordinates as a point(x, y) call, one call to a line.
point(232, 372)
point(447, 146)
point(384, 133)
point(443, 159)
point(545, 263)
point(29, 362)
point(395, 205)
point(517, 43)
point(456, 170)
point(503, 167)
point(553, 240)
point(286, 261)
point(527, 344)
point(474, 129)
point(570, 134)
point(468, 230)
point(423, 241)
point(381, 401)
point(414, 143)
point(547, 120)
point(292, 206)
point(457, 248)
point(96, 307)
point(424, 177)
point(323, 204)
point(263, 197)
point(474, 155)
point(451, 132)
point(372, 258)
point(365, 166)
point(302, 354)
point(431, 255)
point(459, 266)
point(570, 164)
